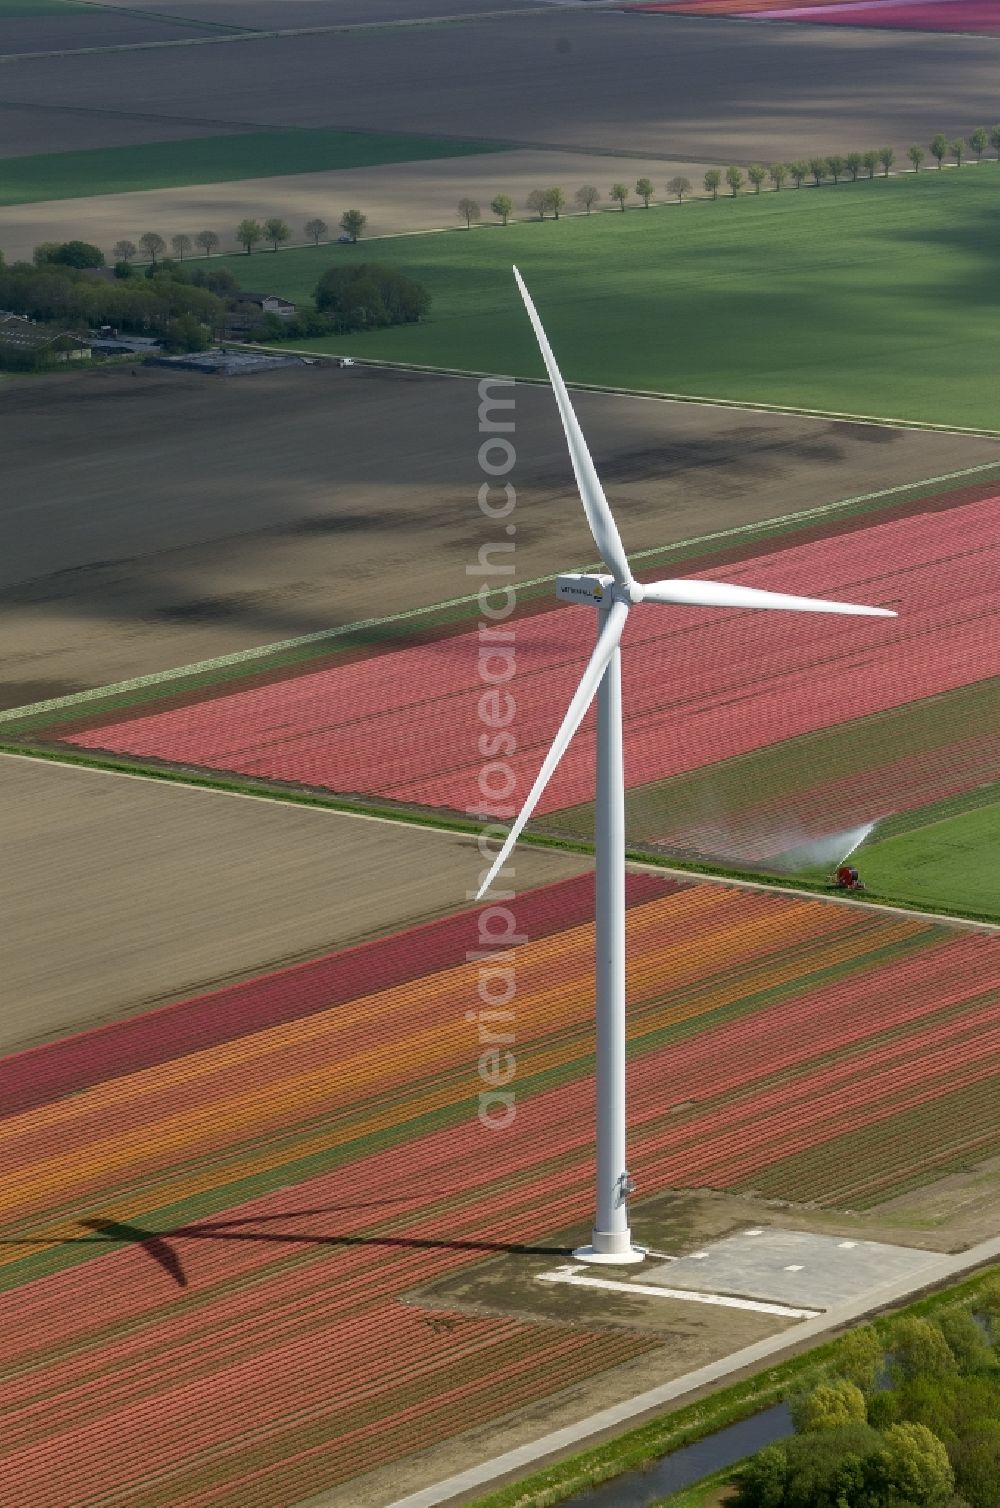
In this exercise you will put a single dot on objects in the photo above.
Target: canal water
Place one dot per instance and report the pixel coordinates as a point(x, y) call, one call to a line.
point(684, 1467)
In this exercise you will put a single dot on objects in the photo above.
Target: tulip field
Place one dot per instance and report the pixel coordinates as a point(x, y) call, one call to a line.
point(211, 1214)
point(905, 15)
point(747, 734)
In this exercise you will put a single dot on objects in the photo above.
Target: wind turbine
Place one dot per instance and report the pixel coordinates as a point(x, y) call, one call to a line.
point(613, 595)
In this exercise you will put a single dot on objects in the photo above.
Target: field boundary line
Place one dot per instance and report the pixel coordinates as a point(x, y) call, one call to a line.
point(323, 635)
point(281, 32)
point(650, 395)
point(458, 827)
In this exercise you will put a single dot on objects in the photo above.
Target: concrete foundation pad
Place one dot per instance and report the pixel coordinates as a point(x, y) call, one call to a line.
point(792, 1267)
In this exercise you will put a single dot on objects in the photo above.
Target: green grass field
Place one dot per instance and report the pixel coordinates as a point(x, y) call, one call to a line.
point(213, 159)
point(953, 862)
point(870, 298)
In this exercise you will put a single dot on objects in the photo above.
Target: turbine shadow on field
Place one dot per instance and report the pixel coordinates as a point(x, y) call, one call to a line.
point(157, 1243)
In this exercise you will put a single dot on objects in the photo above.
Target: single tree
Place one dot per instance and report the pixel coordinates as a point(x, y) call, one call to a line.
point(817, 166)
point(276, 231)
point(854, 161)
point(207, 241)
point(124, 251)
point(619, 192)
point(979, 140)
point(958, 149)
point(152, 244)
point(712, 180)
point(870, 160)
point(799, 171)
point(756, 172)
point(916, 155)
point(886, 157)
point(587, 196)
point(317, 230)
point(180, 246)
point(681, 186)
point(248, 233)
point(917, 1346)
point(352, 223)
point(74, 253)
point(502, 206)
point(940, 148)
point(778, 172)
point(536, 203)
point(644, 188)
point(555, 200)
point(469, 210)
point(836, 166)
point(914, 1465)
point(734, 177)
point(966, 1341)
point(995, 139)
point(859, 1357)
point(829, 1405)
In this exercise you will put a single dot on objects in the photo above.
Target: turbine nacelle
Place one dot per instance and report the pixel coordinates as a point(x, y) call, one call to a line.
point(586, 589)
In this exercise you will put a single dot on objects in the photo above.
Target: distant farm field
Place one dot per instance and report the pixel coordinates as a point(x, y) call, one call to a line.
point(869, 298)
point(212, 159)
point(253, 1182)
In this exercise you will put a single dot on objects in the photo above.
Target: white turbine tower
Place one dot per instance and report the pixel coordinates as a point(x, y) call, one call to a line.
point(612, 595)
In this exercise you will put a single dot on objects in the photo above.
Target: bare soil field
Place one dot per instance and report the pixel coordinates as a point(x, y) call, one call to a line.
point(586, 80)
point(397, 197)
point(163, 518)
point(29, 129)
point(120, 893)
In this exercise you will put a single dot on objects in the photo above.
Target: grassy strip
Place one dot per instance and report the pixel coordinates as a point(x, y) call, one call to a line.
point(215, 159)
point(860, 298)
point(703, 1494)
point(446, 822)
point(642, 1447)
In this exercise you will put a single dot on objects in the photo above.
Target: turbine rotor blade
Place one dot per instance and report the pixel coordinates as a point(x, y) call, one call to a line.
point(584, 694)
point(724, 594)
point(595, 504)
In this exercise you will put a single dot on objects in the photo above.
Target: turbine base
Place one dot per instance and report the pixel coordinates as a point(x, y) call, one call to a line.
point(614, 1250)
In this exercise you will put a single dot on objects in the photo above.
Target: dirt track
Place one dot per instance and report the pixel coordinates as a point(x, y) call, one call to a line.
point(118, 894)
point(169, 517)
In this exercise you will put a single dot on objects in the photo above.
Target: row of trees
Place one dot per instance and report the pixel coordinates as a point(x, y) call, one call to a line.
point(552, 201)
point(248, 234)
point(908, 1417)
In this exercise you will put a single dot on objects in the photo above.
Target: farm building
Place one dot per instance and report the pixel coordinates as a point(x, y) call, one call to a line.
point(267, 303)
point(25, 343)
